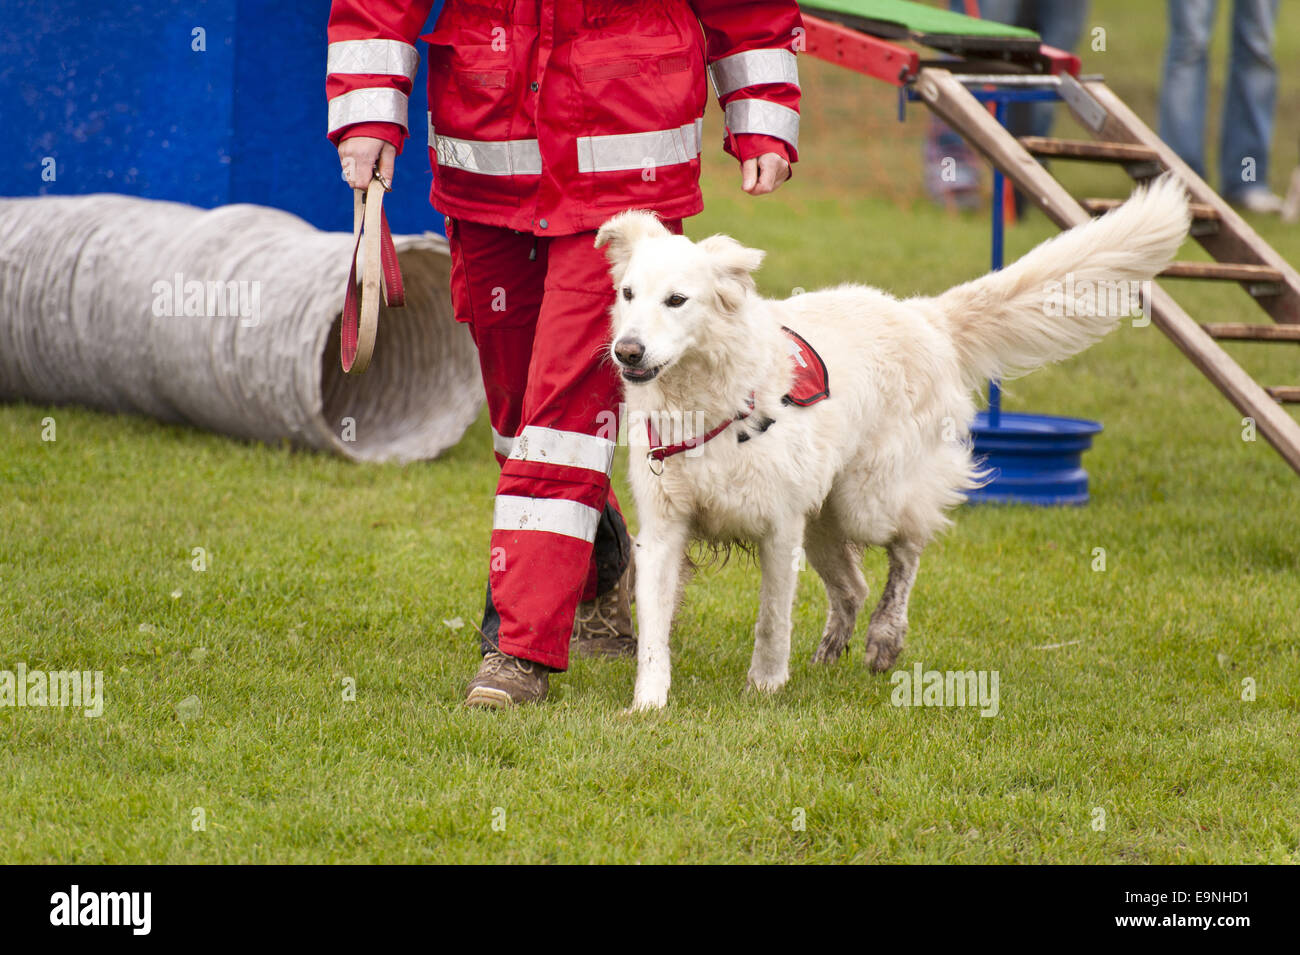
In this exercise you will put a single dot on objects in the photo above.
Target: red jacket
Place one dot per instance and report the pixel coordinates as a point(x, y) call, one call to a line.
point(550, 116)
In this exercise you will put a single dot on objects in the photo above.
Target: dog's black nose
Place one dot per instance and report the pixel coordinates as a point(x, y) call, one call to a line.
point(629, 351)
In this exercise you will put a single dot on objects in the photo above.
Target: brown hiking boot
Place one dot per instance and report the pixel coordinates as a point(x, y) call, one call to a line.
point(603, 627)
point(503, 681)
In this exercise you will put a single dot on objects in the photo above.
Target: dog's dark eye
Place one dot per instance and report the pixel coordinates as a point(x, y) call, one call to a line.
point(675, 300)
point(627, 293)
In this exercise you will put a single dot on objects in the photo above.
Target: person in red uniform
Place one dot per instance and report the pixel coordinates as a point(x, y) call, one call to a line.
point(547, 118)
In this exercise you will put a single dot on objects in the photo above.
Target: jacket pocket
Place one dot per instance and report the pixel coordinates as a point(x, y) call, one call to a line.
point(473, 95)
point(472, 80)
point(603, 12)
point(641, 82)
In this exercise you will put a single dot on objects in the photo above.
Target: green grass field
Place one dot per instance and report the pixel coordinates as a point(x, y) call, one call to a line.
point(319, 572)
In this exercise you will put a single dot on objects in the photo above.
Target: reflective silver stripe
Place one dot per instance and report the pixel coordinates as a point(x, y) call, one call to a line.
point(509, 157)
point(553, 515)
point(571, 449)
point(369, 105)
point(753, 68)
point(502, 444)
point(760, 116)
point(663, 147)
point(386, 57)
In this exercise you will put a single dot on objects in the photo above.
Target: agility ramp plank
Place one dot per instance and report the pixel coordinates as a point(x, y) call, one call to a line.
point(1244, 332)
point(1087, 150)
point(902, 19)
point(1222, 272)
point(981, 45)
point(868, 36)
point(1101, 206)
point(1204, 219)
point(955, 104)
point(853, 50)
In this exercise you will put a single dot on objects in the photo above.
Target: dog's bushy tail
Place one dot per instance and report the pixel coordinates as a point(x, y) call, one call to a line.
point(1063, 295)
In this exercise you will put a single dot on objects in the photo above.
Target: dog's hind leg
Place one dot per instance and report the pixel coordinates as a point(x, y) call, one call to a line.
point(779, 555)
point(660, 548)
point(888, 626)
point(839, 564)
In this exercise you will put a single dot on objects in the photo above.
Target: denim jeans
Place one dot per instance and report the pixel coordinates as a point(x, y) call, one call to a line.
point(1248, 106)
point(1058, 23)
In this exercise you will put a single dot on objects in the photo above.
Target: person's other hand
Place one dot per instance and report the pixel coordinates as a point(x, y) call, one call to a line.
point(359, 155)
point(763, 174)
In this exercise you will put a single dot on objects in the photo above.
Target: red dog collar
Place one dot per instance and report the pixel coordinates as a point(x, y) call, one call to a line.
point(811, 385)
point(658, 451)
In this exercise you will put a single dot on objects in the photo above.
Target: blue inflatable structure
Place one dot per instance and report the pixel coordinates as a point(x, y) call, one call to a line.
point(206, 102)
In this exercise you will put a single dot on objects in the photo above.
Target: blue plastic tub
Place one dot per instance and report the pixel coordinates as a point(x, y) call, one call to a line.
point(1035, 459)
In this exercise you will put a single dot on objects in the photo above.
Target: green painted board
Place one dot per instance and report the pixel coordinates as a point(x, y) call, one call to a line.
point(918, 19)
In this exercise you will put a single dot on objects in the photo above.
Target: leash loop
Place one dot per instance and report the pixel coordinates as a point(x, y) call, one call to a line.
point(381, 275)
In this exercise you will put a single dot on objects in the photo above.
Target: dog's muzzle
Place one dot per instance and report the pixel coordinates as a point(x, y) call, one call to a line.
point(630, 353)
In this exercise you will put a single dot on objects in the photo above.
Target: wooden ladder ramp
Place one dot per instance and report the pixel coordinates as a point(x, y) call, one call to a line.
point(1240, 255)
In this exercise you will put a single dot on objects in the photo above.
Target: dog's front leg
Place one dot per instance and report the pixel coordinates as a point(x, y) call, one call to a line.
point(660, 546)
point(781, 556)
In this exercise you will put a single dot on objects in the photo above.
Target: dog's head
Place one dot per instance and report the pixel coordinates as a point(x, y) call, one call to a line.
point(669, 289)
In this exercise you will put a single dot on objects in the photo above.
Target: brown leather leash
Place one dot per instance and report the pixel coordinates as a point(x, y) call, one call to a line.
point(359, 325)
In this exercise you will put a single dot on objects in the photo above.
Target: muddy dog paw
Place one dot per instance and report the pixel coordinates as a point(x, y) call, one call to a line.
point(834, 641)
point(884, 644)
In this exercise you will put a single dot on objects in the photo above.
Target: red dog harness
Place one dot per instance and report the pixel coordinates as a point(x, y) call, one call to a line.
point(811, 385)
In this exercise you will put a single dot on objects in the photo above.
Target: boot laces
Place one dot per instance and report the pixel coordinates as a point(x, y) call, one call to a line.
point(496, 661)
point(596, 616)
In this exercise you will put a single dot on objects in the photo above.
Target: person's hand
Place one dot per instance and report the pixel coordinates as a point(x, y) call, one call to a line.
point(763, 174)
point(359, 155)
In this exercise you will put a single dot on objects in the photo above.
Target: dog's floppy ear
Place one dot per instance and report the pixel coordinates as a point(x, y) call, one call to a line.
point(619, 236)
point(734, 265)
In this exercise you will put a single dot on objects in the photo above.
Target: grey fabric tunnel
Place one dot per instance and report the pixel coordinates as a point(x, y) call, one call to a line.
point(98, 303)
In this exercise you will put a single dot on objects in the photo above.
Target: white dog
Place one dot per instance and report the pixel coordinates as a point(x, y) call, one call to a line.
point(881, 460)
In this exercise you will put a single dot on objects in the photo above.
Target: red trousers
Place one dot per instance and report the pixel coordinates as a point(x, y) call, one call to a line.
point(538, 310)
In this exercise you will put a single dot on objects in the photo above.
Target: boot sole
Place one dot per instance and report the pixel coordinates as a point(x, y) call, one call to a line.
point(489, 698)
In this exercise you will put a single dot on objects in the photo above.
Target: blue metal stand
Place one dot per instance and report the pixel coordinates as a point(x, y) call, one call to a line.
point(999, 224)
point(1031, 459)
